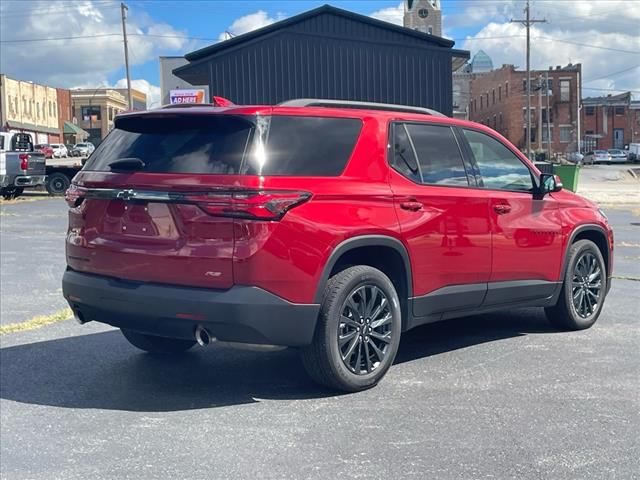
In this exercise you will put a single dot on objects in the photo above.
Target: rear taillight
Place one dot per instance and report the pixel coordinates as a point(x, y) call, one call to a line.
point(24, 161)
point(255, 205)
point(74, 195)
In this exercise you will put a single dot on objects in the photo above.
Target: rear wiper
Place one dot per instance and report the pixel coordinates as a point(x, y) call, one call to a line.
point(131, 163)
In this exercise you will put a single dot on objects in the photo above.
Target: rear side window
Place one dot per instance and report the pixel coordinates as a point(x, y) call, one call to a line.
point(213, 144)
point(305, 146)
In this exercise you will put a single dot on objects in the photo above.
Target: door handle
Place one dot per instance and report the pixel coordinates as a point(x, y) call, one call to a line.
point(502, 208)
point(411, 205)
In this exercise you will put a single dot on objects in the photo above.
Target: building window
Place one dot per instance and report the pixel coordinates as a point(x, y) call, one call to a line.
point(590, 111)
point(430, 30)
point(487, 94)
point(619, 111)
point(481, 102)
point(565, 134)
point(546, 133)
point(524, 86)
point(549, 86)
point(495, 122)
point(500, 93)
point(500, 121)
point(493, 95)
point(55, 110)
point(565, 90)
point(547, 117)
point(91, 114)
point(506, 89)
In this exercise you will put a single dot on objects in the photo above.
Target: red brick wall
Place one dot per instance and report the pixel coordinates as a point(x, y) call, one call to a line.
point(628, 121)
point(511, 106)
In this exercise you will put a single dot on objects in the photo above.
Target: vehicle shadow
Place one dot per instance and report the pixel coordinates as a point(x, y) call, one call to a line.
point(102, 371)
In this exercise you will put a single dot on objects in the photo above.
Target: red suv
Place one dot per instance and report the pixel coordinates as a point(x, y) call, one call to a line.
point(325, 225)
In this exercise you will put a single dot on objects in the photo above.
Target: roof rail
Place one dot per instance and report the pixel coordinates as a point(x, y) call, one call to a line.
point(317, 102)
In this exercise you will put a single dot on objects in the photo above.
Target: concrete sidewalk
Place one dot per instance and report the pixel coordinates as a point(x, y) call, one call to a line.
point(610, 184)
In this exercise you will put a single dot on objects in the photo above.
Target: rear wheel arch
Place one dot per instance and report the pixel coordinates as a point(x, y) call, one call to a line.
point(385, 253)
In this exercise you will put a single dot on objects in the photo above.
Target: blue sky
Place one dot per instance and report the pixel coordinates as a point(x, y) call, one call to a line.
point(209, 18)
point(78, 43)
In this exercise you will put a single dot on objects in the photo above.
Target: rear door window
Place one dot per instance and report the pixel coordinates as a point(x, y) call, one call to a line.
point(403, 158)
point(213, 144)
point(438, 154)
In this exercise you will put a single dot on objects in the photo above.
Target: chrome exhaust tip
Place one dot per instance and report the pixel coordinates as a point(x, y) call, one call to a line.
point(203, 337)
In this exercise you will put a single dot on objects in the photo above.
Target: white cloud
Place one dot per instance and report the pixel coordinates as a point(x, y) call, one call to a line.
point(84, 61)
point(152, 91)
point(248, 23)
point(594, 22)
point(390, 14)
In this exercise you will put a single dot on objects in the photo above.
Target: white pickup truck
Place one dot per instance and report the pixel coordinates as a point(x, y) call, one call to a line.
point(20, 165)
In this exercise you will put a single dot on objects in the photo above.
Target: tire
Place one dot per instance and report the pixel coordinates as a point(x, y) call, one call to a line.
point(12, 192)
point(57, 183)
point(157, 345)
point(580, 314)
point(357, 292)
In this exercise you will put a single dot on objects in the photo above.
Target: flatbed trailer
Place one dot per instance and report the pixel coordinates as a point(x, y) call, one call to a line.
point(60, 172)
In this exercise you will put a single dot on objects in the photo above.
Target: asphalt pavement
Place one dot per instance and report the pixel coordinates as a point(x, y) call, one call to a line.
point(494, 396)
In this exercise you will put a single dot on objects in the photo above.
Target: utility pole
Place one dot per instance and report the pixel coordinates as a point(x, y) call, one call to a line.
point(540, 124)
point(527, 22)
point(546, 88)
point(123, 11)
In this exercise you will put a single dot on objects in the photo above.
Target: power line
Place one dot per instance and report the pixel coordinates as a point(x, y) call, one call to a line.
point(609, 75)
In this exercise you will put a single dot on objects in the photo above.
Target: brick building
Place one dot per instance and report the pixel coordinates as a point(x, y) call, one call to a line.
point(498, 100)
point(610, 122)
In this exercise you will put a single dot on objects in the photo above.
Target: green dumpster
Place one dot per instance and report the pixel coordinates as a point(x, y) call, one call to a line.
point(569, 175)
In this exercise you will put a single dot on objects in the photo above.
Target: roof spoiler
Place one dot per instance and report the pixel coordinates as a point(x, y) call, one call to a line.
point(317, 102)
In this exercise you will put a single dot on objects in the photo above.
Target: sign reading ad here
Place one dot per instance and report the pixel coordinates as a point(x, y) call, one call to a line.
point(186, 96)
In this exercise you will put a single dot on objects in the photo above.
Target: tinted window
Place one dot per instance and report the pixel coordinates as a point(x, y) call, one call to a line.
point(305, 146)
point(172, 144)
point(403, 159)
point(438, 155)
point(500, 168)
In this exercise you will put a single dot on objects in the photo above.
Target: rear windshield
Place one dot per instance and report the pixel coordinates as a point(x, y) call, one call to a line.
point(224, 144)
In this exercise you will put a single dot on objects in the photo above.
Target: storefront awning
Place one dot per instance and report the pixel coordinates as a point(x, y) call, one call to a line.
point(71, 129)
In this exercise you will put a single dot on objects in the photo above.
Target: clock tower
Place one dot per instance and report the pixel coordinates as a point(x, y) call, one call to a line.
point(423, 15)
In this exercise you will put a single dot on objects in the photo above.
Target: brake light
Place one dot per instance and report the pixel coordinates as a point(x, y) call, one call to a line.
point(24, 161)
point(256, 205)
point(74, 195)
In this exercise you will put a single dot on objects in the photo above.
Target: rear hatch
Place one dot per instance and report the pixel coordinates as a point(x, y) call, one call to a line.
point(163, 196)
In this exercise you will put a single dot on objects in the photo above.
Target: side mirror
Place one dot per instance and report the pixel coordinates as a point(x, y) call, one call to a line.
point(549, 183)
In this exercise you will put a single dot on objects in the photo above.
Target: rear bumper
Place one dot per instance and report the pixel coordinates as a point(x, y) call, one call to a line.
point(29, 180)
point(241, 314)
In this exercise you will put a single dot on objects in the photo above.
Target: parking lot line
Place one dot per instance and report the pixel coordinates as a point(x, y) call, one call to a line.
point(36, 322)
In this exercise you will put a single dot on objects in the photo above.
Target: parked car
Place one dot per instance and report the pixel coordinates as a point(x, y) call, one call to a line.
point(45, 149)
point(617, 156)
point(575, 157)
point(634, 152)
point(331, 226)
point(597, 156)
point(59, 150)
point(21, 165)
point(82, 149)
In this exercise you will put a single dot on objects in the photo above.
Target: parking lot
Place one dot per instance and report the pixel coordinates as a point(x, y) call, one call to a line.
point(494, 396)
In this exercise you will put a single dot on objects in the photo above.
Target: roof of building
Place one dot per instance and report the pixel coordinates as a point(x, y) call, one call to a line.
point(325, 9)
point(621, 99)
point(481, 62)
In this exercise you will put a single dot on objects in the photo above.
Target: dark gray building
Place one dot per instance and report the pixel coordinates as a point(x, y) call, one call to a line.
point(329, 53)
